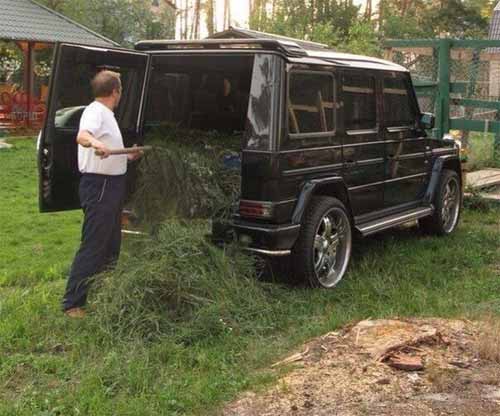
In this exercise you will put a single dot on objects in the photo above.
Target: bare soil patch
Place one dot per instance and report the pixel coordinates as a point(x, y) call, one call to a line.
point(395, 367)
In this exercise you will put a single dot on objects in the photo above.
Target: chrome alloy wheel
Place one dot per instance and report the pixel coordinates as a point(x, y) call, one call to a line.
point(332, 247)
point(450, 207)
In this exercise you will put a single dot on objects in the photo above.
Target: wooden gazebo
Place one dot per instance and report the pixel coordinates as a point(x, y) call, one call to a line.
point(28, 32)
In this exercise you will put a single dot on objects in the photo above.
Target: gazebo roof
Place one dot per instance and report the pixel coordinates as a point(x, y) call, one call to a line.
point(30, 21)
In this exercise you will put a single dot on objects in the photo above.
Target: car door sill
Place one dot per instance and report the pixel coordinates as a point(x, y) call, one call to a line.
point(390, 221)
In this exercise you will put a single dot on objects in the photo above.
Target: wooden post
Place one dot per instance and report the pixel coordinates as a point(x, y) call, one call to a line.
point(443, 107)
point(29, 86)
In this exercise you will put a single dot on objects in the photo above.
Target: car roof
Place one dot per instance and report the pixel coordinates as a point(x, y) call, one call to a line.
point(290, 49)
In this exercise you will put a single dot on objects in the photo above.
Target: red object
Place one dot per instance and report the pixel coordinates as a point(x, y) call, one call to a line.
point(255, 209)
point(19, 110)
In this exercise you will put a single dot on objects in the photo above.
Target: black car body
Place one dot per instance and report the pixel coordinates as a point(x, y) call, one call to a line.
point(317, 124)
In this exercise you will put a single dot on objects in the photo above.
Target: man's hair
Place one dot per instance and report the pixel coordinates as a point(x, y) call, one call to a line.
point(105, 82)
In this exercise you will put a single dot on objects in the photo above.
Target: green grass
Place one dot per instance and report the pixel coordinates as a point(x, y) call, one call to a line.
point(50, 365)
point(33, 246)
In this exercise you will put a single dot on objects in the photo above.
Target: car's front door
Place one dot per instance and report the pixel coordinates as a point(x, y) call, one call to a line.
point(70, 91)
point(363, 150)
point(406, 168)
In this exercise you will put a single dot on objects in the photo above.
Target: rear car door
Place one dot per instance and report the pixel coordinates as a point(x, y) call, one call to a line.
point(406, 163)
point(70, 91)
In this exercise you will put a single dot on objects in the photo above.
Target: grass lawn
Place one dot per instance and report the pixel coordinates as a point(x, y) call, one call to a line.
point(50, 365)
point(34, 247)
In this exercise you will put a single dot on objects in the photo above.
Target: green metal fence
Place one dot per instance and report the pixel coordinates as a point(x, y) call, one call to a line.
point(458, 80)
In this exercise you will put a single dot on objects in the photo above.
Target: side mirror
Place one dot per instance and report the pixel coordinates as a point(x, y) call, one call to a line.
point(427, 121)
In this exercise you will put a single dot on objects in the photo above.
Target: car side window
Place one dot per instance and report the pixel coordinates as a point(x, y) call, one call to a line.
point(311, 103)
point(360, 106)
point(399, 108)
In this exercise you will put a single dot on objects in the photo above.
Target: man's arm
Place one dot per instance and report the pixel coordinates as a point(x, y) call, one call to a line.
point(86, 139)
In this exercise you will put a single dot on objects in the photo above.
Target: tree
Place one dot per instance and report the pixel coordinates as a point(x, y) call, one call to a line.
point(124, 21)
point(428, 19)
point(195, 30)
point(227, 13)
point(210, 17)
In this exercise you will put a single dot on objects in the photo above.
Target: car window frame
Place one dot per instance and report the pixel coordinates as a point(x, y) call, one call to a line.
point(376, 119)
point(405, 77)
point(311, 135)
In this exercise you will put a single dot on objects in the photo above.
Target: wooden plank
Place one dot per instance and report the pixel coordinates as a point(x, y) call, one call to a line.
point(483, 178)
point(310, 108)
point(293, 119)
point(474, 125)
point(425, 84)
point(321, 110)
point(485, 43)
point(476, 103)
point(458, 87)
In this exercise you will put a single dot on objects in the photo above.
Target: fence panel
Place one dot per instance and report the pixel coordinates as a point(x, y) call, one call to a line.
point(458, 80)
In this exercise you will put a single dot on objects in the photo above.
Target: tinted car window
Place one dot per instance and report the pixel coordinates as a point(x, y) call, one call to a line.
point(199, 92)
point(399, 109)
point(263, 102)
point(311, 103)
point(359, 101)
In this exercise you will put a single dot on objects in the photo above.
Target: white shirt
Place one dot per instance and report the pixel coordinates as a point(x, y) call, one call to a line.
point(100, 121)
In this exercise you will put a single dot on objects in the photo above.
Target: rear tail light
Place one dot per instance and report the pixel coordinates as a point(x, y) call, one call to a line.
point(256, 209)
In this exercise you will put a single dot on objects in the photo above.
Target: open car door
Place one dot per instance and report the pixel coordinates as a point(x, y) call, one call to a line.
point(70, 91)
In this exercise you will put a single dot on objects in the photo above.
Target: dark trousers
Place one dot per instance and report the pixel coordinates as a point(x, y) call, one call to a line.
point(101, 198)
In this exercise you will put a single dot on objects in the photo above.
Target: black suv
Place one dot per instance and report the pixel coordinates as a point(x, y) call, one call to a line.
point(332, 144)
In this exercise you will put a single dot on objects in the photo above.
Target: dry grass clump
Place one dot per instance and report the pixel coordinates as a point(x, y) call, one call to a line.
point(488, 342)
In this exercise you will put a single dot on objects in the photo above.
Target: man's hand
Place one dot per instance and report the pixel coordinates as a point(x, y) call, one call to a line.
point(100, 149)
point(136, 155)
point(86, 139)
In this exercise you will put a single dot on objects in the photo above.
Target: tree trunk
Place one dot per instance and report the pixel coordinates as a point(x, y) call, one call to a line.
point(368, 10)
point(210, 7)
point(380, 15)
point(227, 14)
point(186, 19)
point(195, 28)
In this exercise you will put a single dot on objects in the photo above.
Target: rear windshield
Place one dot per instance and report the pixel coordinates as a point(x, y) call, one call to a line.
point(230, 94)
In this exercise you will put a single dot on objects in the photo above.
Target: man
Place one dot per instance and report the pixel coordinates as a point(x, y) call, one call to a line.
point(102, 190)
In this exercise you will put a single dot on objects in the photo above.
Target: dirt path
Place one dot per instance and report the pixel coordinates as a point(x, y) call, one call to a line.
point(352, 372)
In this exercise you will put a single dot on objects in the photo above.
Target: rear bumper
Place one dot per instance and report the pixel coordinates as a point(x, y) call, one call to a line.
point(267, 239)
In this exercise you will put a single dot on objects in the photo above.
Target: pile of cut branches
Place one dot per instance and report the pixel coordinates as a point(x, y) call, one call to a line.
point(179, 285)
point(188, 174)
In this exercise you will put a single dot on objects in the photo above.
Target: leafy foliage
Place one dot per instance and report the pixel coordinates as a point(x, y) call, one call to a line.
point(124, 21)
point(341, 24)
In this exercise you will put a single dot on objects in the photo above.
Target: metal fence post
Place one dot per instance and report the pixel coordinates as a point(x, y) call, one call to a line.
point(443, 107)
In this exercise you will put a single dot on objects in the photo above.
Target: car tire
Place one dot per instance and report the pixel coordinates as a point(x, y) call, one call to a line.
point(323, 249)
point(447, 206)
